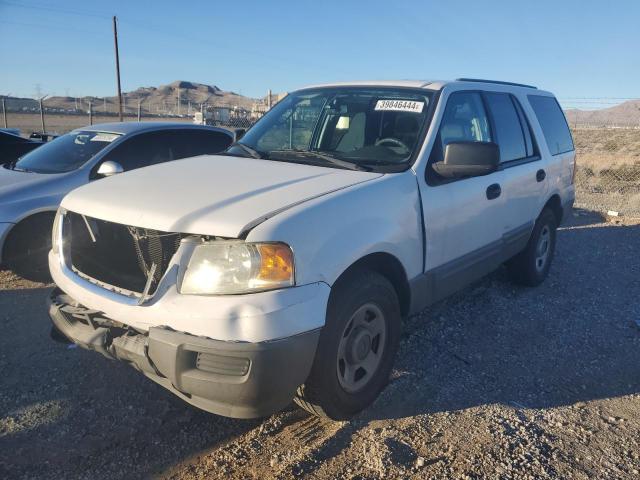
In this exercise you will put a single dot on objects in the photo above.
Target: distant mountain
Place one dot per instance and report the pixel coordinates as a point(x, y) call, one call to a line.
point(153, 100)
point(626, 114)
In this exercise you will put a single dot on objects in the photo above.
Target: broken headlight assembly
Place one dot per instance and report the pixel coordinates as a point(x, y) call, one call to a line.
point(224, 267)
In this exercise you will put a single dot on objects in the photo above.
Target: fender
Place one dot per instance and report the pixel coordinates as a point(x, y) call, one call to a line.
point(330, 233)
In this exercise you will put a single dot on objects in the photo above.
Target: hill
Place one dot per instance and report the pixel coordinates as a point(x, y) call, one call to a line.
point(626, 114)
point(161, 100)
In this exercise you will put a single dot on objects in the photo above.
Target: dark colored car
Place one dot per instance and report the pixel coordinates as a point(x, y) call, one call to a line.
point(13, 146)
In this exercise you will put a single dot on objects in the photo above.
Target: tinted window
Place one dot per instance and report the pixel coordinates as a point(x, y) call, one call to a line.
point(526, 128)
point(190, 143)
point(464, 120)
point(553, 123)
point(142, 150)
point(509, 131)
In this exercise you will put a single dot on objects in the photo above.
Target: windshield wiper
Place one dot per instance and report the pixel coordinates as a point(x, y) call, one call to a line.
point(327, 158)
point(251, 151)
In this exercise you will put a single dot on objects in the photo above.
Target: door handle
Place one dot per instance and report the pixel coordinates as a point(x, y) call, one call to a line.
point(541, 175)
point(493, 191)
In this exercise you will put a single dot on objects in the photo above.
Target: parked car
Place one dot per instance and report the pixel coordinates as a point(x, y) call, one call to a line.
point(284, 268)
point(13, 146)
point(32, 187)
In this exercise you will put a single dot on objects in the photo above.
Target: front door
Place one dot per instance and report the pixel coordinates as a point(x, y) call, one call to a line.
point(464, 218)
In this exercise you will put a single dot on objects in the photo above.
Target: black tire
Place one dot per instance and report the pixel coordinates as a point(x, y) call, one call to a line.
point(529, 267)
point(359, 297)
point(27, 247)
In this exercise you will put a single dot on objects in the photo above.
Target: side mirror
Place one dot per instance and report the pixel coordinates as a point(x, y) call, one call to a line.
point(109, 168)
point(468, 159)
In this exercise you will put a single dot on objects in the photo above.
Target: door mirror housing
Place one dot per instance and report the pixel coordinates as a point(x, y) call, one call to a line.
point(109, 168)
point(468, 159)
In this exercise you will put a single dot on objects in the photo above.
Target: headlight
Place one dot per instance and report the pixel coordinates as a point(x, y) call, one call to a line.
point(228, 267)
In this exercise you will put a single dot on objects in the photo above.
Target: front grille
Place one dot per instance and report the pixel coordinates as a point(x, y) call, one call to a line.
point(116, 254)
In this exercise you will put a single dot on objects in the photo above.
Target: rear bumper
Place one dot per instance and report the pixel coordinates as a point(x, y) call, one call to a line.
point(233, 379)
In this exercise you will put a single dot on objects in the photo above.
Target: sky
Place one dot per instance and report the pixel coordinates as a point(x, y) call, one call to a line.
point(581, 50)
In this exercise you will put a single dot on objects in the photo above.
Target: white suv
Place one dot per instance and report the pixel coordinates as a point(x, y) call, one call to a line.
point(282, 269)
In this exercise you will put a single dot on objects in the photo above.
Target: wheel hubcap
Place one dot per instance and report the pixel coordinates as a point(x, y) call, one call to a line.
point(543, 248)
point(361, 348)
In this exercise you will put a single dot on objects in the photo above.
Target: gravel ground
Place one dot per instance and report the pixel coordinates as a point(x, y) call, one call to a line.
point(498, 381)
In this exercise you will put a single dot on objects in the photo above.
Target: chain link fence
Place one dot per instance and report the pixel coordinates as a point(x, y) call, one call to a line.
point(608, 169)
point(609, 188)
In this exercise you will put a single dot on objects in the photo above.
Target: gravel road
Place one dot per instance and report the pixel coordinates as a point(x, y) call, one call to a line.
point(498, 381)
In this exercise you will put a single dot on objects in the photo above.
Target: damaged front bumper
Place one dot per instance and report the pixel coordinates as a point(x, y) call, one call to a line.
point(233, 379)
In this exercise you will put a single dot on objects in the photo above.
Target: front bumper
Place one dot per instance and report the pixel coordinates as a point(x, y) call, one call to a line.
point(233, 379)
point(254, 317)
point(4, 231)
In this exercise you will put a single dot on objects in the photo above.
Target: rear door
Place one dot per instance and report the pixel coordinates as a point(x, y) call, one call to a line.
point(525, 179)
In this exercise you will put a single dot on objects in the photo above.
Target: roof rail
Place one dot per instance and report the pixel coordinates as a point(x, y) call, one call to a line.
point(494, 81)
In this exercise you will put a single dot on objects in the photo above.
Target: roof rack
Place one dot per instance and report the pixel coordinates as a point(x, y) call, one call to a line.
point(494, 81)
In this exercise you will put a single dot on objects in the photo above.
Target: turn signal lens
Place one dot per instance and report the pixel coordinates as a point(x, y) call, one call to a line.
point(276, 263)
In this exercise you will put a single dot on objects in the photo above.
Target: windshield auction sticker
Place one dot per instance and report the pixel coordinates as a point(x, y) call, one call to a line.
point(400, 105)
point(104, 137)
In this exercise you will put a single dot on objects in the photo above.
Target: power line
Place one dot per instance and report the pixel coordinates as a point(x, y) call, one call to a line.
point(65, 11)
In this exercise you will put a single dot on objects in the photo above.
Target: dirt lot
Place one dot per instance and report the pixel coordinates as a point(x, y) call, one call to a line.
point(498, 381)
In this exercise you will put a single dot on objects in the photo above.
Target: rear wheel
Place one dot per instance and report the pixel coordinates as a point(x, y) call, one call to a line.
point(531, 266)
point(356, 349)
point(27, 246)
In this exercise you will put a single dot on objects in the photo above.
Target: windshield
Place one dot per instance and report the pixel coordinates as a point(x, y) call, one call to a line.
point(364, 127)
point(65, 153)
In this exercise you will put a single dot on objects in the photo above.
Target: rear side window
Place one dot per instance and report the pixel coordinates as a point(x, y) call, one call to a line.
point(510, 134)
point(554, 124)
point(191, 143)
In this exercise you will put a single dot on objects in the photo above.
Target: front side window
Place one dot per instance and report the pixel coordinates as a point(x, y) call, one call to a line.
point(509, 132)
point(142, 150)
point(66, 153)
point(464, 120)
point(355, 127)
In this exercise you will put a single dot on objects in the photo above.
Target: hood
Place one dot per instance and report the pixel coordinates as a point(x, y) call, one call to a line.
point(16, 185)
point(207, 195)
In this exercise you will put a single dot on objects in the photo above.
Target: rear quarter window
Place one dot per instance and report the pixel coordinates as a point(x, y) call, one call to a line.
point(553, 122)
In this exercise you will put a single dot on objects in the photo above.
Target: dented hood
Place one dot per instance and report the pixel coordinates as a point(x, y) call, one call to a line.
point(207, 195)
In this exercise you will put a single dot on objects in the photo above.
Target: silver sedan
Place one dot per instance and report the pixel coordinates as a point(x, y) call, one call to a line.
point(32, 187)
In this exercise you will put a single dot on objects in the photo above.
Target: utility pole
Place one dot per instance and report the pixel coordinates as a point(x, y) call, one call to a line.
point(104, 104)
point(115, 41)
point(90, 113)
point(269, 99)
point(4, 110)
point(178, 100)
point(42, 113)
point(139, 108)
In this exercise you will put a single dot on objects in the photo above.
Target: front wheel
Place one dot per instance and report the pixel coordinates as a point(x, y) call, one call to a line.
point(27, 247)
point(531, 266)
point(356, 349)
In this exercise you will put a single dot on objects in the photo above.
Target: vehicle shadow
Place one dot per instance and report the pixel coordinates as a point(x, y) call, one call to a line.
point(68, 413)
point(575, 338)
